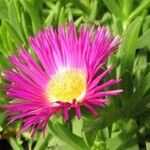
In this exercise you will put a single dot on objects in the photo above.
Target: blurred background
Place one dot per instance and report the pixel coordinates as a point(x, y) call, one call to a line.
point(125, 123)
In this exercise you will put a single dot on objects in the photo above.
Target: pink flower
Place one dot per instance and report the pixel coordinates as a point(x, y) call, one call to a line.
point(64, 75)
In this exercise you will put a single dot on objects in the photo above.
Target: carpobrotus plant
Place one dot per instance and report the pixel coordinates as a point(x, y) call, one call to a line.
point(42, 64)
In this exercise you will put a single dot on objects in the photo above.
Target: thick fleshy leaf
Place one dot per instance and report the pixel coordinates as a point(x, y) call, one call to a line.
point(71, 139)
point(128, 47)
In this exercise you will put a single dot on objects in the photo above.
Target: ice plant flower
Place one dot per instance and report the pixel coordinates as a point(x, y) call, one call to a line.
point(65, 74)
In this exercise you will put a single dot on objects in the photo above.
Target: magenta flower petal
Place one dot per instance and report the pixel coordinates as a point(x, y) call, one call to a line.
point(64, 75)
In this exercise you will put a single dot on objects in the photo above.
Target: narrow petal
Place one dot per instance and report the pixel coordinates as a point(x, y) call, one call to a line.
point(103, 94)
point(95, 82)
point(66, 114)
point(103, 86)
point(78, 111)
point(93, 111)
point(97, 102)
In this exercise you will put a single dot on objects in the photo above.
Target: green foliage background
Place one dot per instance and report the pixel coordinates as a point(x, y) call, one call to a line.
point(125, 123)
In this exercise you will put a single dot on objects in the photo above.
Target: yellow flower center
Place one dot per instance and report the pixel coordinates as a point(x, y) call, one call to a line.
point(66, 86)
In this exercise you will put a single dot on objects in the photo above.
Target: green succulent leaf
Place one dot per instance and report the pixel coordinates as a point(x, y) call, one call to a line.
point(128, 47)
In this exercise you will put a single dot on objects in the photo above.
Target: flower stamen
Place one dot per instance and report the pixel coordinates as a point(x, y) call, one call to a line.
point(67, 86)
